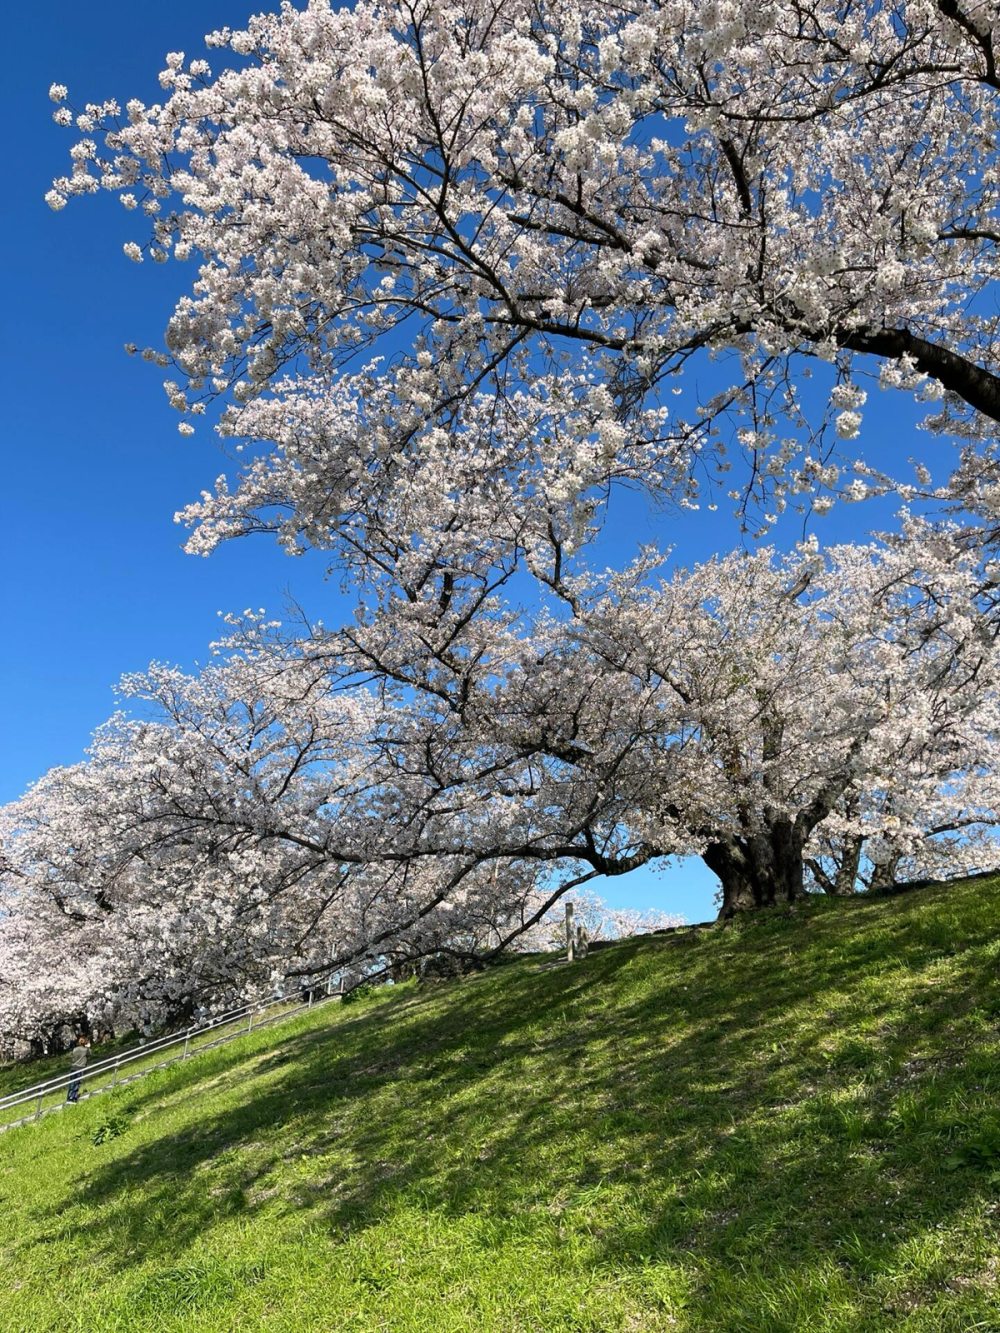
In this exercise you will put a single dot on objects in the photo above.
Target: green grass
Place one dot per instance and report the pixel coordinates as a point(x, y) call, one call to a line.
point(793, 1124)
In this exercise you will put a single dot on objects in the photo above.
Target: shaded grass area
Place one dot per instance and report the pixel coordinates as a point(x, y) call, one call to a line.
point(789, 1125)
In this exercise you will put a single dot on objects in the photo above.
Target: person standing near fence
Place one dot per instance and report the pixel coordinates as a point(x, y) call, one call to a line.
point(77, 1063)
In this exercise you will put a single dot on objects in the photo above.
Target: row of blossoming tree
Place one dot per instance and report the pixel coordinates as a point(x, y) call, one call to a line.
point(781, 718)
point(457, 264)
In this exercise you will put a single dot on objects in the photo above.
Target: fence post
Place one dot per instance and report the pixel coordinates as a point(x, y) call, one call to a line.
point(570, 934)
point(250, 1021)
point(114, 1078)
point(311, 993)
point(187, 1038)
point(38, 1111)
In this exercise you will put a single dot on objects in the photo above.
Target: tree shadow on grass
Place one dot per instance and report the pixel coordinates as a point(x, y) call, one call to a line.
point(761, 1099)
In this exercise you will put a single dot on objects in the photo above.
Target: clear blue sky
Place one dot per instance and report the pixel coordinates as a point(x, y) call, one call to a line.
point(95, 582)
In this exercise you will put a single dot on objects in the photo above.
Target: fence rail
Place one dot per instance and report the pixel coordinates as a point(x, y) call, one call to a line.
point(103, 1075)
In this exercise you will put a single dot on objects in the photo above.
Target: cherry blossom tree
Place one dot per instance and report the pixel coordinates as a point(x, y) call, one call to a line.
point(262, 824)
point(453, 256)
point(803, 687)
point(954, 834)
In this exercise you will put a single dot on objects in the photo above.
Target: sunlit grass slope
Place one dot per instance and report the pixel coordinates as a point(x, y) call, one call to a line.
point(790, 1125)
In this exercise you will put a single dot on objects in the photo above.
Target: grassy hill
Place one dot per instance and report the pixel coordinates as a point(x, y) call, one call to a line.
point(792, 1124)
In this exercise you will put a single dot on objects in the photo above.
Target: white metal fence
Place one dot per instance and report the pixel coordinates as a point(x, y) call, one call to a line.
point(17, 1108)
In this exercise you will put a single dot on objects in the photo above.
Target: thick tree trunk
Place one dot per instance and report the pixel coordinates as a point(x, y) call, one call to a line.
point(847, 872)
point(884, 874)
point(764, 870)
